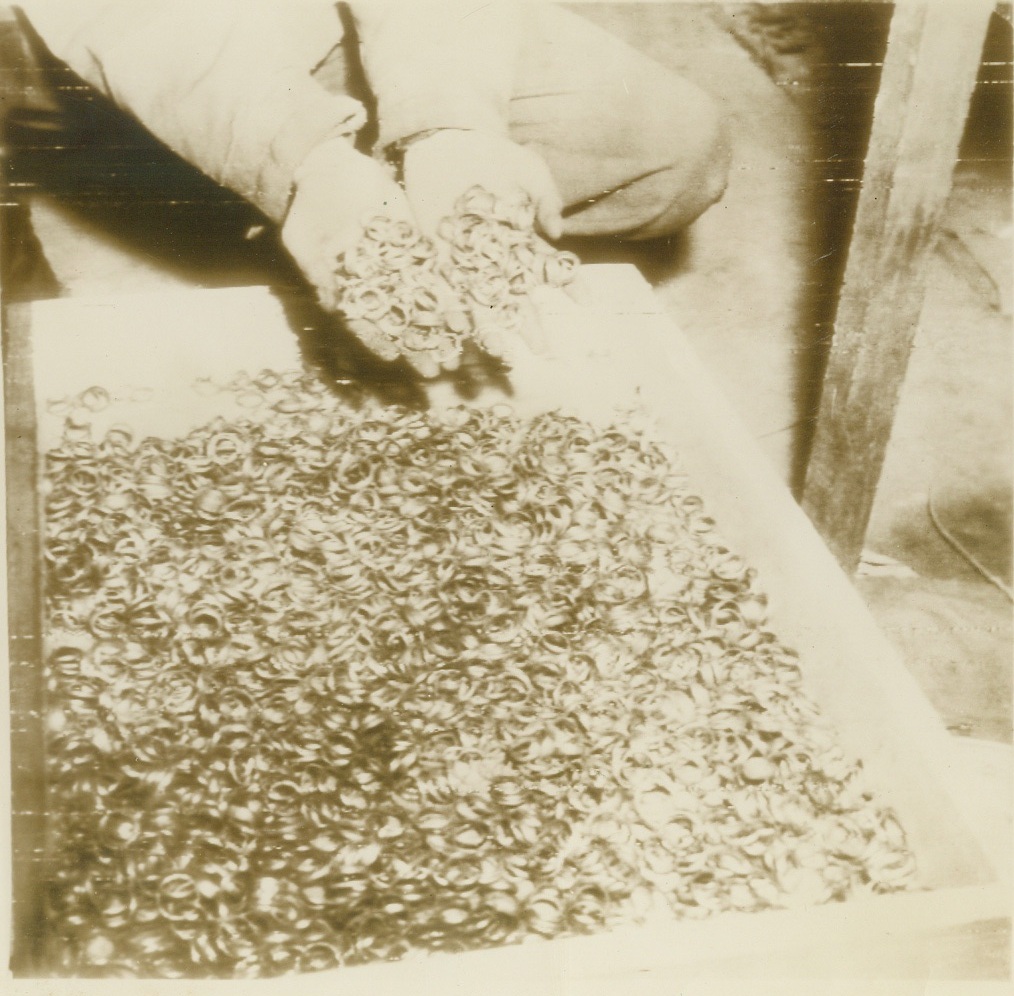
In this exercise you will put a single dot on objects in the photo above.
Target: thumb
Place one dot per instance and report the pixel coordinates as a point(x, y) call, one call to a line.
point(537, 180)
point(549, 213)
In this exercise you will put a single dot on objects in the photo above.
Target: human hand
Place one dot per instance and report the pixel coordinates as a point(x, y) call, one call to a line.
point(391, 289)
point(444, 170)
point(496, 263)
point(439, 168)
point(346, 204)
point(352, 230)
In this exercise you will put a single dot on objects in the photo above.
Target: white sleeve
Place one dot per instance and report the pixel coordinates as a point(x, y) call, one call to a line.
point(438, 63)
point(226, 84)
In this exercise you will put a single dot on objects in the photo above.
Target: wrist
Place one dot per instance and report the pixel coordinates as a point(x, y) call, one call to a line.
point(335, 173)
point(328, 155)
point(394, 153)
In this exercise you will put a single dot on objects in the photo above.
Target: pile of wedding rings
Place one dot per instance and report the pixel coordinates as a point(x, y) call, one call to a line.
point(337, 682)
point(423, 301)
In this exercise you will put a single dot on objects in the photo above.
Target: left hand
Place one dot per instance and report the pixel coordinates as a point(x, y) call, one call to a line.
point(439, 168)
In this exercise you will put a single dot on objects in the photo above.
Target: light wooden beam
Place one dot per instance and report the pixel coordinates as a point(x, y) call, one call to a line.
point(932, 60)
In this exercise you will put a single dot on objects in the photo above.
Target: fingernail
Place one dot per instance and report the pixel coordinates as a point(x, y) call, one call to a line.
point(458, 322)
point(425, 366)
point(492, 342)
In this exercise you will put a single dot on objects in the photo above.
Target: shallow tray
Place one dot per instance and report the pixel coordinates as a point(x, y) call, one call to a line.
point(152, 350)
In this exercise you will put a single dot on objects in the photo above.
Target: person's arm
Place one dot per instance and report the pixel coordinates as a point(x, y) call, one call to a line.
point(226, 84)
point(437, 65)
point(442, 73)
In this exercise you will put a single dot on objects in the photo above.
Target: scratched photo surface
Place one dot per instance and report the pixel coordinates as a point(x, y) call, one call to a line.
point(507, 496)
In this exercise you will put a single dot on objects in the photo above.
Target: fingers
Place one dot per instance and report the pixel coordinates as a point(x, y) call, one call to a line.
point(441, 299)
point(457, 319)
point(427, 365)
point(495, 333)
point(490, 337)
point(423, 364)
point(372, 338)
point(549, 214)
point(578, 290)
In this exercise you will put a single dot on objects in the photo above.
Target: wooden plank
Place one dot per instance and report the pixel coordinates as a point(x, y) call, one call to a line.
point(25, 677)
point(24, 680)
point(932, 59)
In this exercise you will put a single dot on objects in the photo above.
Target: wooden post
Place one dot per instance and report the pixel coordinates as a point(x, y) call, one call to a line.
point(22, 545)
point(24, 621)
point(933, 55)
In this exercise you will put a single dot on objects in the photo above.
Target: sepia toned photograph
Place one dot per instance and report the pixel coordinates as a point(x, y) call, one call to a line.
point(507, 498)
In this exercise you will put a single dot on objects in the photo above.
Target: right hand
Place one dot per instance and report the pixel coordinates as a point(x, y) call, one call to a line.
point(338, 191)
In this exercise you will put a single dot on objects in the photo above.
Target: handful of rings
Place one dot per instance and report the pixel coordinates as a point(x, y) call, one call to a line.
point(422, 300)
